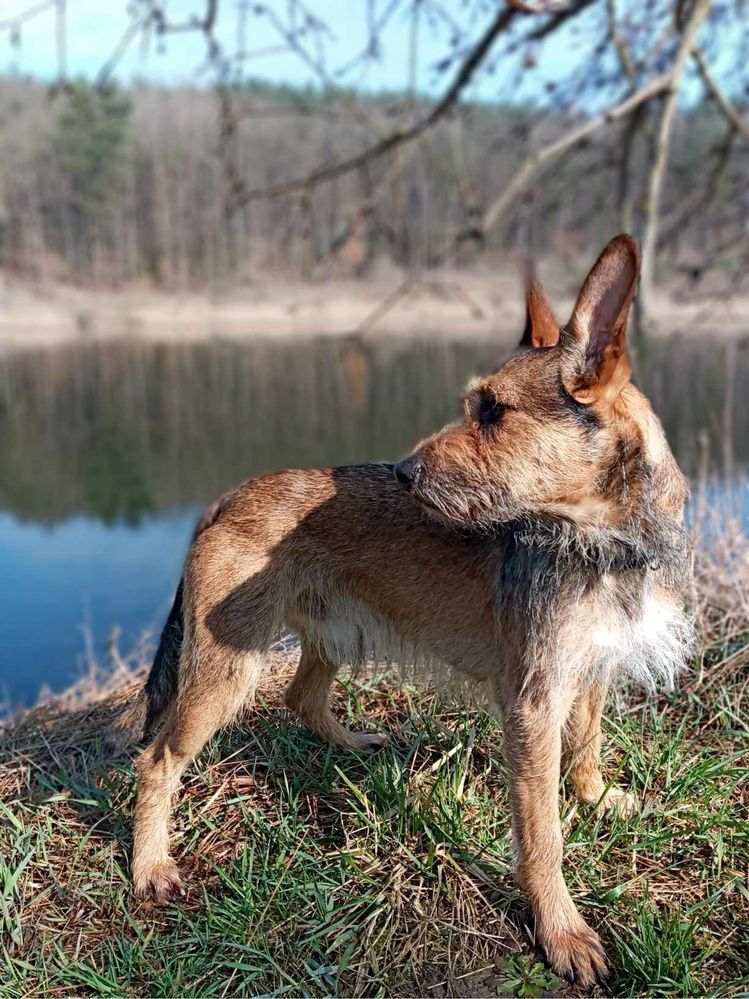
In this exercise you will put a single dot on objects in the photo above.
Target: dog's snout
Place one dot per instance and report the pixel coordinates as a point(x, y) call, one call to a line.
point(407, 472)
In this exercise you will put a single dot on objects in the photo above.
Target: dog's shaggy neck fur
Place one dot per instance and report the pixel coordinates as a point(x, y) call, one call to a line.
point(621, 584)
point(657, 544)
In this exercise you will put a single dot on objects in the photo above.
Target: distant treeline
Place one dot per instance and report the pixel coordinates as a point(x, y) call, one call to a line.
point(103, 186)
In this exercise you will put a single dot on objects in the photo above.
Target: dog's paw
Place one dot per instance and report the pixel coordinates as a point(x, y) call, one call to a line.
point(367, 741)
point(161, 882)
point(576, 955)
point(619, 802)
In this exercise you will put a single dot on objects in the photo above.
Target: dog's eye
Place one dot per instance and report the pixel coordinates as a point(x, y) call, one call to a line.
point(490, 411)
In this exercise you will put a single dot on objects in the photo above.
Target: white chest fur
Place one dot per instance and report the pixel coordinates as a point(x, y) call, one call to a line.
point(649, 649)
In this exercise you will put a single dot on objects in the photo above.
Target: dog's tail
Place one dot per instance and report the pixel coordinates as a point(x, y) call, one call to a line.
point(161, 686)
point(160, 689)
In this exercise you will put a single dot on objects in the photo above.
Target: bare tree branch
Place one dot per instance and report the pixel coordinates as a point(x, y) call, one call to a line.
point(61, 40)
point(700, 199)
point(542, 156)
point(243, 195)
point(726, 108)
point(625, 194)
point(622, 51)
point(14, 23)
point(561, 15)
point(690, 31)
point(130, 33)
point(633, 126)
point(396, 138)
point(538, 6)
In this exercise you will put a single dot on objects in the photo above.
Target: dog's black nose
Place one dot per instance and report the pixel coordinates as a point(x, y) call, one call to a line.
point(407, 472)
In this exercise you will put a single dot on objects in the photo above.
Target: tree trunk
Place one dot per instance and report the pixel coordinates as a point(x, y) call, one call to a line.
point(659, 163)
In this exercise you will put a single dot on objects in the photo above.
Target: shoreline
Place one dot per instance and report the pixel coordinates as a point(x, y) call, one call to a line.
point(454, 306)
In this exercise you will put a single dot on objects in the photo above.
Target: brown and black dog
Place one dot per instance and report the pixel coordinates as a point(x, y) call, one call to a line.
point(535, 545)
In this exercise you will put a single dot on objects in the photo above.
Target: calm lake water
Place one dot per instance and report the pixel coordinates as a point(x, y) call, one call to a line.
point(108, 452)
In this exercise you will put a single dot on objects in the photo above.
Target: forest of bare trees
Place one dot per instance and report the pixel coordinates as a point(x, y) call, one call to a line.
point(213, 183)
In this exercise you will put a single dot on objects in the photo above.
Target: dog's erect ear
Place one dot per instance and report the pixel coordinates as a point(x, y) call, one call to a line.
point(541, 328)
point(597, 367)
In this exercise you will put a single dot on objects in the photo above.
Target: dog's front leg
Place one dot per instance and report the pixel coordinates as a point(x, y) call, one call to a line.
point(533, 741)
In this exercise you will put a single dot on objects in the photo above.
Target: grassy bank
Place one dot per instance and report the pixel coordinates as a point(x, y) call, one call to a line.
point(313, 871)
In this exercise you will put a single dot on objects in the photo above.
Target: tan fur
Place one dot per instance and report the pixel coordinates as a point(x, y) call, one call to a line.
point(360, 568)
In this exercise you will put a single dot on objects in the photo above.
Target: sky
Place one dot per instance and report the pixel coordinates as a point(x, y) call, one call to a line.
point(94, 28)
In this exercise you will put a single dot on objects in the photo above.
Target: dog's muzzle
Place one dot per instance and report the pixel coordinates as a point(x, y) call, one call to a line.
point(408, 471)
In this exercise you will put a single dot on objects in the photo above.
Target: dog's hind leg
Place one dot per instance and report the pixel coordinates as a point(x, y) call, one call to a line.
point(308, 696)
point(208, 700)
point(582, 754)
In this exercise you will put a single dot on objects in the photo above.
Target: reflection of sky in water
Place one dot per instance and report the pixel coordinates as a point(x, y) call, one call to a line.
point(715, 502)
point(55, 581)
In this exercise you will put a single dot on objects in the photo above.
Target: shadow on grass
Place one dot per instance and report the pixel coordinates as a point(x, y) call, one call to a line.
point(308, 868)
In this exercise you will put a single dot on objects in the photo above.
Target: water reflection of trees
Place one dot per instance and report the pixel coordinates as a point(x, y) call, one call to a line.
point(117, 431)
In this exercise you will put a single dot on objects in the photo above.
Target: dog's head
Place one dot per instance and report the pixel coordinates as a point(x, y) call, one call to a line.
point(559, 429)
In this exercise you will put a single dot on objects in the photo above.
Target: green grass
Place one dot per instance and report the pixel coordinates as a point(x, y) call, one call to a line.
point(313, 871)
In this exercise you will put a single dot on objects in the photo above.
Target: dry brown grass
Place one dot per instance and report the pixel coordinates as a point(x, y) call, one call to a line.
point(313, 871)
